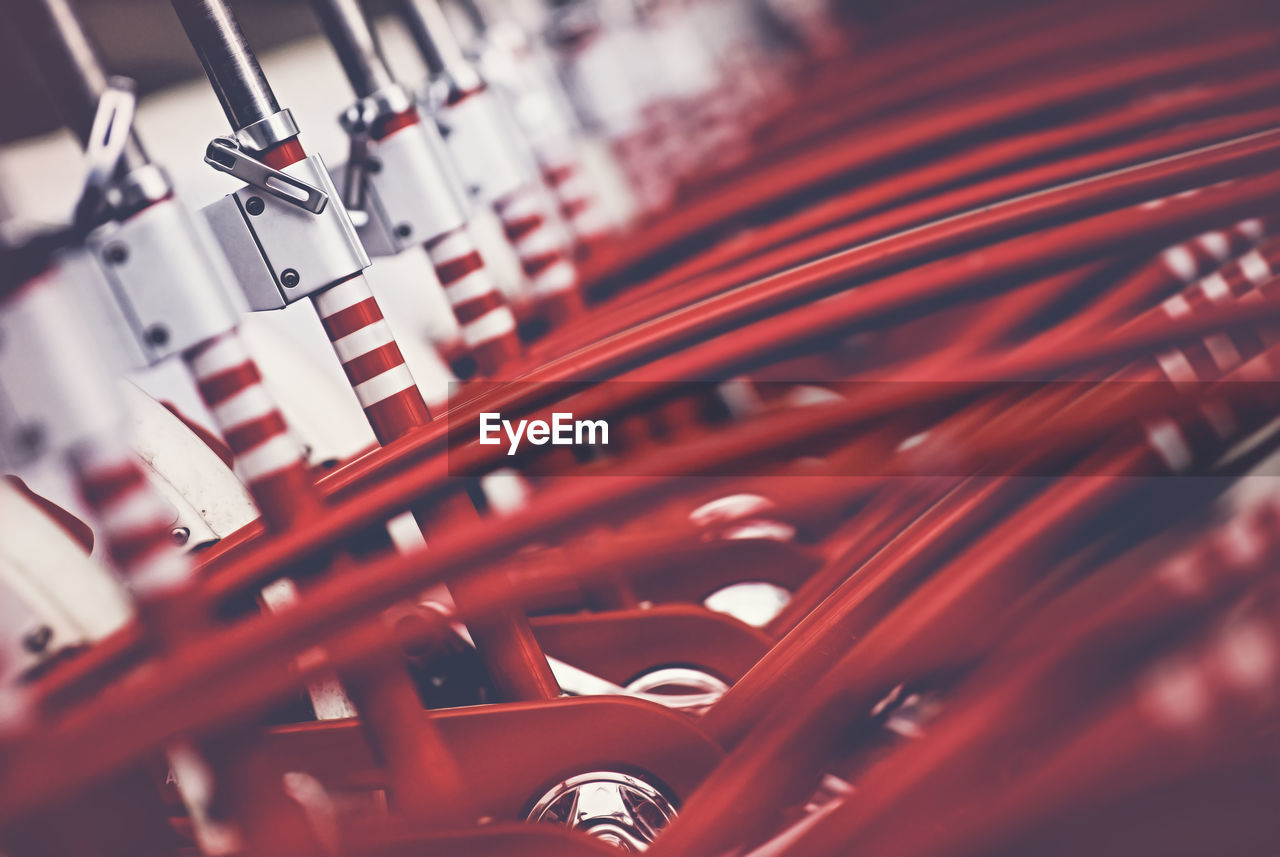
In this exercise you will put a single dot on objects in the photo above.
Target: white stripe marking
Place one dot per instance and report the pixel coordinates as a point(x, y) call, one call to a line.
point(560, 277)
point(474, 285)
point(1180, 262)
point(362, 341)
point(1177, 367)
point(1215, 287)
point(491, 325)
point(249, 404)
point(227, 352)
point(271, 456)
point(395, 380)
point(342, 296)
point(1255, 268)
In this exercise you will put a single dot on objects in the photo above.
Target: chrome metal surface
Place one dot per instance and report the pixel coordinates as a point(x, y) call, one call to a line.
point(315, 250)
point(355, 43)
point(681, 688)
point(225, 156)
point(229, 62)
point(70, 68)
point(268, 131)
point(434, 36)
point(169, 283)
point(622, 810)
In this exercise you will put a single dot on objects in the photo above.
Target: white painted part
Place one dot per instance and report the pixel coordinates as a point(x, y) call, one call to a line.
point(452, 246)
point(395, 380)
point(415, 187)
point(342, 296)
point(506, 491)
point(209, 499)
point(46, 579)
point(1253, 229)
point(496, 322)
point(500, 257)
point(740, 397)
point(1216, 245)
point(226, 352)
point(406, 535)
point(328, 699)
point(307, 383)
point(1223, 351)
point(775, 531)
point(271, 456)
point(733, 507)
point(557, 278)
point(809, 395)
point(538, 242)
point(1180, 262)
point(477, 136)
point(753, 603)
point(474, 285)
point(1255, 268)
point(135, 511)
point(251, 403)
point(1176, 367)
point(1176, 306)
point(51, 375)
point(362, 341)
point(194, 782)
point(1215, 287)
point(1168, 442)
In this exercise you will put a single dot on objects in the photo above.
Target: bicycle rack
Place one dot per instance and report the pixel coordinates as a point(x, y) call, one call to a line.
point(886, 473)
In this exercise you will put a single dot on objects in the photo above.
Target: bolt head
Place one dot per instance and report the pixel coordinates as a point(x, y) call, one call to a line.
point(116, 254)
point(30, 438)
point(254, 205)
point(180, 535)
point(289, 278)
point(157, 335)
point(373, 165)
point(404, 230)
point(37, 640)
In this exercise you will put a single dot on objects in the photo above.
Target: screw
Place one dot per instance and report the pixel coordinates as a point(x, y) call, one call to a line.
point(404, 230)
point(38, 640)
point(373, 165)
point(289, 278)
point(30, 438)
point(157, 335)
point(254, 205)
point(180, 535)
point(116, 254)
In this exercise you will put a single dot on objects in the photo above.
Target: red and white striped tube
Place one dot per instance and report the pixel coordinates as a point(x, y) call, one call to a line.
point(269, 460)
point(487, 323)
point(371, 358)
point(546, 260)
point(134, 523)
point(578, 204)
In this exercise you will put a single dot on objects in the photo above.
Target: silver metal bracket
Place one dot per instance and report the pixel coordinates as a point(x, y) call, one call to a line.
point(225, 155)
point(109, 134)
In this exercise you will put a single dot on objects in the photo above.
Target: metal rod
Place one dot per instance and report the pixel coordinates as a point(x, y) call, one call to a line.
point(228, 61)
point(356, 45)
point(432, 33)
point(476, 14)
point(51, 34)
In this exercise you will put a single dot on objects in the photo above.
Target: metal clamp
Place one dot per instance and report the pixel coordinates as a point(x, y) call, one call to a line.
point(110, 132)
point(108, 137)
point(225, 155)
point(357, 121)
